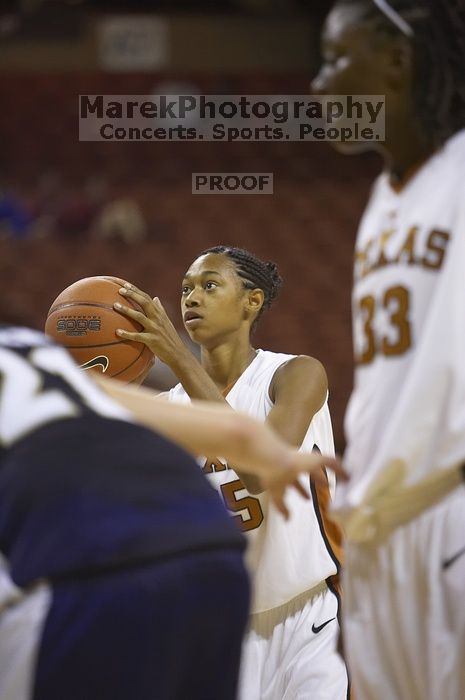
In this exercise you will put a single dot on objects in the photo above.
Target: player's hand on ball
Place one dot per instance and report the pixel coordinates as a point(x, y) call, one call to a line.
point(158, 332)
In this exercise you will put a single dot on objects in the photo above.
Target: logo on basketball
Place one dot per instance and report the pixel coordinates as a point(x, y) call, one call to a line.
point(78, 326)
point(99, 361)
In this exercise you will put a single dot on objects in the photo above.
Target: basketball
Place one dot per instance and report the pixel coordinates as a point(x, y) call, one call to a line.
point(83, 320)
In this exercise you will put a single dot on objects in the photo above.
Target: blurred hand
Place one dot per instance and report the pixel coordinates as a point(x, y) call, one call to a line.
point(278, 465)
point(279, 477)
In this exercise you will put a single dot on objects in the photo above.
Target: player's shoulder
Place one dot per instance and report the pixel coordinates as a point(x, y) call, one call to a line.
point(450, 159)
point(302, 373)
point(269, 358)
point(287, 364)
point(444, 177)
point(454, 147)
point(261, 371)
point(303, 365)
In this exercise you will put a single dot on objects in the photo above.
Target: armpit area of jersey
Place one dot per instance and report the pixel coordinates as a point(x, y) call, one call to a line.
point(95, 492)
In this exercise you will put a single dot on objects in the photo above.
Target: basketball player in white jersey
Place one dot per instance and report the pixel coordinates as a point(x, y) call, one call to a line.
point(290, 648)
point(404, 506)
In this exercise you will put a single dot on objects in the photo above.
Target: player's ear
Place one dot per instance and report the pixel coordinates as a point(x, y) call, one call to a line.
point(399, 62)
point(255, 300)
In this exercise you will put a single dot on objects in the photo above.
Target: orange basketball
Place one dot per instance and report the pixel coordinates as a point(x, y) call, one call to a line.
point(83, 320)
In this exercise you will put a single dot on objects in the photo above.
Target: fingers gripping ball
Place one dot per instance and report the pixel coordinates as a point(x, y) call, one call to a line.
point(83, 320)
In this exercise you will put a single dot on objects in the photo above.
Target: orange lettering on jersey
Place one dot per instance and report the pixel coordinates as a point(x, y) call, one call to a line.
point(249, 511)
point(362, 260)
point(435, 249)
point(383, 260)
point(214, 465)
point(407, 253)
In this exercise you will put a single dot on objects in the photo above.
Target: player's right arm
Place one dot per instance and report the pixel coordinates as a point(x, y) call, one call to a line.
point(205, 428)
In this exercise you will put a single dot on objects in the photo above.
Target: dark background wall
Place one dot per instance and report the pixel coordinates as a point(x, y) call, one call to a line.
point(307, 226)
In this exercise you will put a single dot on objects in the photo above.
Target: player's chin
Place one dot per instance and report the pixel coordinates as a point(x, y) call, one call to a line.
point(197, 334)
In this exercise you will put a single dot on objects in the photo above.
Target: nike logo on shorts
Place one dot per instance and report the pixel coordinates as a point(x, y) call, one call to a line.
point(448, 562)
point(318, 628)
point(99, 361)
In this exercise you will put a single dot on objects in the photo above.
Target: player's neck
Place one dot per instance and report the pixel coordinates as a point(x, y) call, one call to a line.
point(405, 152)
point(226, 362)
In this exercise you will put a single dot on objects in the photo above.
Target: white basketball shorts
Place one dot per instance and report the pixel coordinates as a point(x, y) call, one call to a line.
point(404, 609)
point(289, 653)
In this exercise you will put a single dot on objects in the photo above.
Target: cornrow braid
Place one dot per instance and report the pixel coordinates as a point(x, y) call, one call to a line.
point(438, 40)
point(255, 273)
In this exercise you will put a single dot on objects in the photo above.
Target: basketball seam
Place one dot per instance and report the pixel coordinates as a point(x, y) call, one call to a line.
point(132, 363)
point(114, 281)
point(98, 345)
point(80, 303)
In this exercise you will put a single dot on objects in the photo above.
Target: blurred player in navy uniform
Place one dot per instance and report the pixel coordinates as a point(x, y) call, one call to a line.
point(116, 520)
point(404, 507)
point(121, 575)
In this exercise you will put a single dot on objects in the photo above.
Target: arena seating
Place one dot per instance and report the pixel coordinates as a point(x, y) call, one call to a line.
point(307, 226)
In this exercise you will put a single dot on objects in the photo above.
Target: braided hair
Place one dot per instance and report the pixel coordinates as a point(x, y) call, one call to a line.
point(438, 40)
point(254, 273)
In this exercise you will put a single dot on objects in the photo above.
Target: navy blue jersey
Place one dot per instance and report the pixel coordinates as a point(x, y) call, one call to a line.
point(82, 486)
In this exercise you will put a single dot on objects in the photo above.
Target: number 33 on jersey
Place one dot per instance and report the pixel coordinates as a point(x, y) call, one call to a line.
point(383, 317)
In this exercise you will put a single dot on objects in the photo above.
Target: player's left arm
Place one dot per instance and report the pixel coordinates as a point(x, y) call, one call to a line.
point(298, 391)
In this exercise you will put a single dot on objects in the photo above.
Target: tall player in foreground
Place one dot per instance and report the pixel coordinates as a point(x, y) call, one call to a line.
point(290, 648)
point(116, 555)
point(405, 423)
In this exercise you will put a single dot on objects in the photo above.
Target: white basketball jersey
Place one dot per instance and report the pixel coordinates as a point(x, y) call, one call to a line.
point(408, 400)
point(285, 558)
